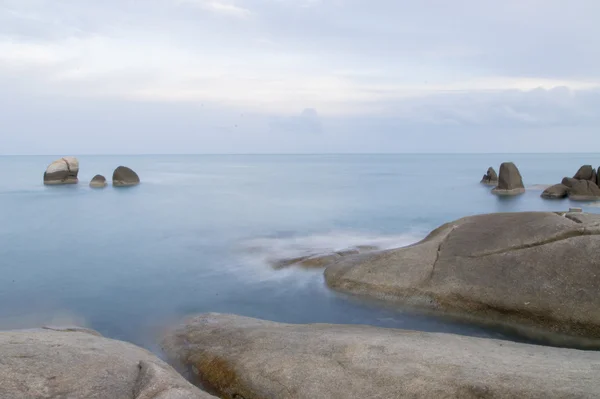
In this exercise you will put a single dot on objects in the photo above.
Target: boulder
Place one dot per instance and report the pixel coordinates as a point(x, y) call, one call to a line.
point(98, 181)
point(490, 178)
point(124, 177)
point(62, 171)
point(598, 177)
point(584, 190)
point(568, 181)
point(586, 172)
point(510, 181)
point(79, 363)
point(536, 273)
point(248, 358)
point(556, 192)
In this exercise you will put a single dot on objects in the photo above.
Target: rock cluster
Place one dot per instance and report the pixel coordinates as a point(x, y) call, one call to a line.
point(66, 169)
point(583, 186)
point(490, 178)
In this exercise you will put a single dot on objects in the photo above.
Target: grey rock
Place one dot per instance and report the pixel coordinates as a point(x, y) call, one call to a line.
point(584, 190)
point(248, 358)
point(308, 262)
point(62, 171)
point(598, 177)
point(98, 181)
point(124, 177)
point(586, 172)
point(568, 181)
point(557, 191)
point(71, 362)
point(510, 181)
point(533, 272)
point(490, 178)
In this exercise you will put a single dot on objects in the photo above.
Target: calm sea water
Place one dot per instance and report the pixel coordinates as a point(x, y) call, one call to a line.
point(197, 234)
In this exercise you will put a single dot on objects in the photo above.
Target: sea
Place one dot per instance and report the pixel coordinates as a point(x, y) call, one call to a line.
point(200, 232)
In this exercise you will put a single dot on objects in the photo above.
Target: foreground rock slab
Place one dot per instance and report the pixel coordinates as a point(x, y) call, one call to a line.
point(76, 363)
point(246, 358)
point(510, 181)
point(62, 171)
point(535, 272)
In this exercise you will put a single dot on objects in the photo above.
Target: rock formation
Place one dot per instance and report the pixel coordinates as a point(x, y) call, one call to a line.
point(586, 172)
point(535, 272)
point(98, 181)
point(510, 181)
point(124, 177)
point(62, 171)
point(79, 363)
point(248, 358)
point(584, 190)
point(556, 191)
point(490, 178)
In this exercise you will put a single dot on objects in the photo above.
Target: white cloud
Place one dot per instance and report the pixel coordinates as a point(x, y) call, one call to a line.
point(219, 7)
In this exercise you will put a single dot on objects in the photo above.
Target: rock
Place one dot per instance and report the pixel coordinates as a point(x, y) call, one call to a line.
point(348, 252)
point(248, 358)
point(510, 181)
point(62, 171)
point(568, 181)
point(584, 190)
point(490, 178)
point(556, 192)
point(586, 172)
point(536, 273)
point(76, 363)
point(124, 177)
point(308, 262)
point(98, 181)
point(598, 177)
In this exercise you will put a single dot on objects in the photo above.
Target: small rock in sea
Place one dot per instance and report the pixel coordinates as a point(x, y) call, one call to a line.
point(98, 181)
point(62, 171)
point(510, 181)
point(557, 191)
point(490, 178)
point(125, 177)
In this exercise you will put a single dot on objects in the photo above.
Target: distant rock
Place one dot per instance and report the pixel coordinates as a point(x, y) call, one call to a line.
point(124, 177)
point(584, 190)
point(490, 178)
point(536, 273)
point(98, 181)
point(510, 181)
point(62, 171)
point(241, 357)
point(557, 191)
point(79, 363)
point(586, 172)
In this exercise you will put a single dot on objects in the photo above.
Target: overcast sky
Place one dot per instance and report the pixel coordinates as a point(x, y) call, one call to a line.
point(299, 76)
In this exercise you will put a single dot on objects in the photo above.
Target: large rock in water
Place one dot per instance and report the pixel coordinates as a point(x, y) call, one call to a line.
point(584, 190)
point(123, 177)
point(76, 363)
point(98, 181)
point(556, 191)
point(510, 181)
point(490, 178)
point(62, 171)
point(537, 273)
point(586, 172)
point(248, 358)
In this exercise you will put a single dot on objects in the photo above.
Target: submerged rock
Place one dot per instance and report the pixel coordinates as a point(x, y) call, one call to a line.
point(248, 358)
point(62, 171)
point(316, 261)
point(535, 272)
point(98, 181)
point(557, 191)
point(490, 178)
point(79, 363)
point(124, 177)
point(510, 181)
point(584, 190)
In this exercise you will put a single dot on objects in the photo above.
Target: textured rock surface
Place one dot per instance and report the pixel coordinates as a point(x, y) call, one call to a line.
point(490, 178)
point(557, 191)
point(62, 171)
point(123, 177)
point(536, 272)
point(586, 172)
point(79, 363)
point(510, 181)
point(98, 181)
point(584, 190)
point(250, 358)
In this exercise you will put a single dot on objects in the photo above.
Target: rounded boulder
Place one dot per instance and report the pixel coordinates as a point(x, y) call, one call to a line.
point(125, 177)
point(98, 181)
point(62, 171)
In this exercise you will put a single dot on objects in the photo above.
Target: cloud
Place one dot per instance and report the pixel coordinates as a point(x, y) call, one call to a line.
point(219, 7)
point(308, 122)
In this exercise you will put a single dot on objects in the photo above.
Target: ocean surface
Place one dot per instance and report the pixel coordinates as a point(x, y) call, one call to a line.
point(198, 233)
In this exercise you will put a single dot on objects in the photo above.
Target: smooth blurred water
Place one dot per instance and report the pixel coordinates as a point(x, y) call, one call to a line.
point(196, 235)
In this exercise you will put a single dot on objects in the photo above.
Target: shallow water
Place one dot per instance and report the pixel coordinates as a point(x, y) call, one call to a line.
point(197, 234)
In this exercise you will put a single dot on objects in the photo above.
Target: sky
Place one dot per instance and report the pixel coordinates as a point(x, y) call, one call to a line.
point(299, 76)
